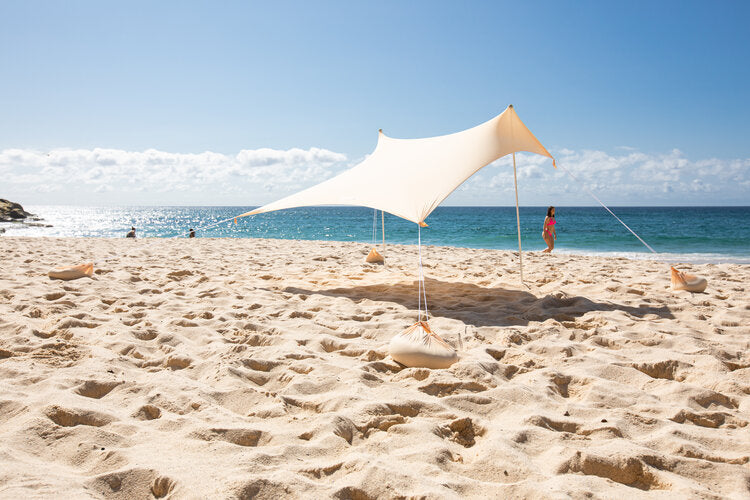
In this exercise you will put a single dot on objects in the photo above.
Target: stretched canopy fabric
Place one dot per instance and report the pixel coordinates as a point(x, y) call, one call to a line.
point(409, 178)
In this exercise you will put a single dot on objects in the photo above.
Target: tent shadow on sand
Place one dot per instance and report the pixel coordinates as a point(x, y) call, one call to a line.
point(480, 306)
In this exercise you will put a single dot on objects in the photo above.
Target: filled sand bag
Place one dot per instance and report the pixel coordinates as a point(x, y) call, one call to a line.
point(72, 273)
point(684, 281)
point(374, 257)
point(419, 347)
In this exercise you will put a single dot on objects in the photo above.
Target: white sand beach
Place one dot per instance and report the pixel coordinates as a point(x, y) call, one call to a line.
point(218, 368)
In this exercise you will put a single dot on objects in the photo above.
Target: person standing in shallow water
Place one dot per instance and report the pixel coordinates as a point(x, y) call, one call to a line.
point(548, 231)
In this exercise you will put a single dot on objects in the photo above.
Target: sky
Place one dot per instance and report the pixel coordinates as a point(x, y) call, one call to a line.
point(241, 103)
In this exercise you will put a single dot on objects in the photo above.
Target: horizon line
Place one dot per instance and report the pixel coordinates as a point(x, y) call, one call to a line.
point(361, 206)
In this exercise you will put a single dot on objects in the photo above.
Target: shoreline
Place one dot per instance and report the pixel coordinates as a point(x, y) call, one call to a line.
point(584, 230)
point(243, 366)
point(690, 258)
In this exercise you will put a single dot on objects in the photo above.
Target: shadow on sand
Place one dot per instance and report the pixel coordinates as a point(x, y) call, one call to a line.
point(480, 306)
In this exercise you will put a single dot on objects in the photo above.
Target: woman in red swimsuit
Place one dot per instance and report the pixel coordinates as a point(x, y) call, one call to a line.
point(548, 231)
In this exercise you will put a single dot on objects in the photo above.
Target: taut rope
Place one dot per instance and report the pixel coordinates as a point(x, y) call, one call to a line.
point(607, 208)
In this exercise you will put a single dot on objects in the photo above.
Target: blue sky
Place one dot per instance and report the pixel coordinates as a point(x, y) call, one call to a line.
point(154, 102)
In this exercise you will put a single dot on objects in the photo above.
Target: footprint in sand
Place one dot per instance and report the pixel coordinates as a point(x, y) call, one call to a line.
point(147, 412)
point(260, 364)
point(709, 399)
point(178, 362)
point(331, 345)
point(364, 354)
point(179, 275)
point(561, 383)
point(35, 312)
point(322, 471)
point(96, 389)
point(71, 417)
point(442, 389)
point(54, 295)
point(134, 483)
point(380, 423)
point(554, 425)
point(663, 369)
point(148, 334)
point(497, 354)
point(300, 314)
point(712, 420)
point(162, 486)
point(463, 431)
point(630, 471)
point(240, 437)
point(185, 323)
point(383, 366)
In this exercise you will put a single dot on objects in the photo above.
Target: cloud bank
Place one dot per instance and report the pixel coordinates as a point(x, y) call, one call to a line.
point(628, 178)
point(151, 177)
point(255, 177)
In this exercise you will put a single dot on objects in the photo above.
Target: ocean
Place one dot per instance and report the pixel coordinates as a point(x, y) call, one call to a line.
point(678, 234)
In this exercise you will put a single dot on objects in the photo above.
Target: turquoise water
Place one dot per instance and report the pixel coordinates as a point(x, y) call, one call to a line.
point(685, 234)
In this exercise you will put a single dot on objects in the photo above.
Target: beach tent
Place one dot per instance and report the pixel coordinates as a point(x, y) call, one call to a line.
point(409, 178)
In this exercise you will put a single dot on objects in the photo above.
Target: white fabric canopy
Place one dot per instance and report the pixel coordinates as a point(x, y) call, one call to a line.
point(409, 178)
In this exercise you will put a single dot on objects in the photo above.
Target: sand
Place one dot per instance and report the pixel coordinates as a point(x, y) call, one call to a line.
point(259, 369)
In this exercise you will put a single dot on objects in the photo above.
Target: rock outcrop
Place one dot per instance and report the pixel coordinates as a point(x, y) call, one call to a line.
point(12, 212)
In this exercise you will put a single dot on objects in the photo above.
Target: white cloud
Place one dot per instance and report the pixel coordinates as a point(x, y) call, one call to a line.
point(253, 177)
point(45, 188)
point(151, 177)
point(627, 177)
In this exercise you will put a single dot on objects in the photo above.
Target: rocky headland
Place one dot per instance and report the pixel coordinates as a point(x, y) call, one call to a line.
point(14, 212)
